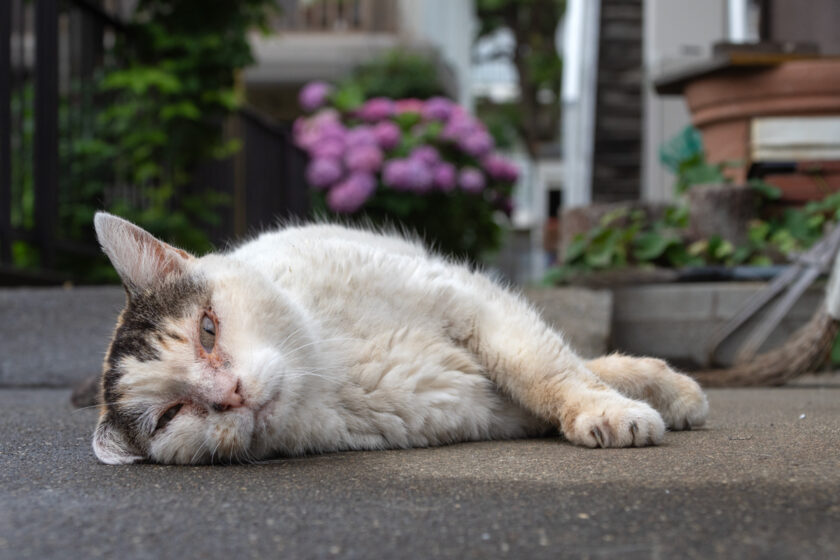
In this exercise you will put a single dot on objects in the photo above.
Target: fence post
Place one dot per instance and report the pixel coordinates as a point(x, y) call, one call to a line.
point(46, 127)
point(5, 133)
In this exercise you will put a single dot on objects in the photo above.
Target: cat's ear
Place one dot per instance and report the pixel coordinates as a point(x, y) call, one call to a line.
point(140, 259)
point(110, 446)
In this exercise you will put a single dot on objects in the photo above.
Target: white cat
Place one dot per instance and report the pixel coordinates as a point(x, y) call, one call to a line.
point(322, 338)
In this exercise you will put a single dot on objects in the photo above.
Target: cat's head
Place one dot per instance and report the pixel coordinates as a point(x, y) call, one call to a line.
point(198, 353)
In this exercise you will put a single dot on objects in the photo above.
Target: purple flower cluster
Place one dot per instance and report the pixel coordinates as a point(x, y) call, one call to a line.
point(314, 95)
point(350, 154)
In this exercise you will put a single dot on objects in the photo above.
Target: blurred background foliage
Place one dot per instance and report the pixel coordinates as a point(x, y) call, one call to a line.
point(398, 74)
point(535, 115)
point(165, 93)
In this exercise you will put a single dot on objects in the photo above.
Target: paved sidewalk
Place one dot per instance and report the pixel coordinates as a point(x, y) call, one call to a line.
point(761, 481)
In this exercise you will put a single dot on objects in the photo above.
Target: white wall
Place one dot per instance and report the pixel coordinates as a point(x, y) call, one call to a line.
point(580, 73)
point(450, 25)
point(676, 32)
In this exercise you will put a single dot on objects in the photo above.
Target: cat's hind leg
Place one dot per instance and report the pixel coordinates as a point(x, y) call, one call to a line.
point(677, 397)
point(531, 364)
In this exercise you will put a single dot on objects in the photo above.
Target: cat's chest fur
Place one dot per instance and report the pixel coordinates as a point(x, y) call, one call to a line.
point(391, 322)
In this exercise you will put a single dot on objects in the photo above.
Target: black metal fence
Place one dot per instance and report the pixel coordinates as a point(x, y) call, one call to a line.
point(51, 52)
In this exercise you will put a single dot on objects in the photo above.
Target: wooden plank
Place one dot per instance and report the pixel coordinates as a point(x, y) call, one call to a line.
point(795, 138)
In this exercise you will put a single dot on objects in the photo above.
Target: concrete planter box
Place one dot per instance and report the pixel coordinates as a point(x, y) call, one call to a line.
point(672, 321)
point(582, 315)
point(675, 321)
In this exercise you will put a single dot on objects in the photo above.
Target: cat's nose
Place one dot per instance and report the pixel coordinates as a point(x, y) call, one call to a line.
point(231, 399)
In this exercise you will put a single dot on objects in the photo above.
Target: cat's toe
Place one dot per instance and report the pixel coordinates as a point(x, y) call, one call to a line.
point(688, 409)
point(618, 422)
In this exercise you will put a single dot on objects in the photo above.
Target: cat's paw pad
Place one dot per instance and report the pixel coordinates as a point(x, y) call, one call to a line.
point(617, 423)
point(690, 407)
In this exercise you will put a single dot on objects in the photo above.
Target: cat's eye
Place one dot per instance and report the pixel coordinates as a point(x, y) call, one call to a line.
point(167, 416)
point(207, 333)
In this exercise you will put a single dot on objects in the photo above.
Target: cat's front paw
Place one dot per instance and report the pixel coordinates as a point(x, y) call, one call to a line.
point(614, 422)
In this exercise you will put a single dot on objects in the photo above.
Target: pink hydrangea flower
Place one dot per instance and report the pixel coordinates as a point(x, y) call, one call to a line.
point(445, 176)
point(387, 134)
point(477, 143)
point(410, 105)
point(308, 131)
point(500, 168)
point(407, 174)
point(376, 109)
point(437, 109)
point(323, 172)
point(426, 154)
point(459, 126)
point(351, 194)
point(313, 95)
point(471, 180)
point(361, 136)
point(364, 157)
point(421, 179)
point(330, 147)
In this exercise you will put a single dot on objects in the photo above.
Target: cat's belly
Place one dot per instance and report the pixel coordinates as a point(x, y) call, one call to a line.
point(406, 389)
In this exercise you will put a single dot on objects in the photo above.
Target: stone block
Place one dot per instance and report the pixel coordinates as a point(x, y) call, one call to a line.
point(582, 315)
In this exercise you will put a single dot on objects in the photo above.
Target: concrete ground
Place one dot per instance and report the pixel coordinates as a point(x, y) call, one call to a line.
point(762, 480)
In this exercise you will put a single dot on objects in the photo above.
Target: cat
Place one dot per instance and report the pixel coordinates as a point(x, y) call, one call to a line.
point(320, 338)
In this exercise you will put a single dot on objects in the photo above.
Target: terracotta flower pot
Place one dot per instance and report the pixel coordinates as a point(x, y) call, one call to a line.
point(723, 104)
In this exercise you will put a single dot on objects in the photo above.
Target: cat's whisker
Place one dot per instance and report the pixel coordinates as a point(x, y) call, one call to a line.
point(213, 453)
point(199, 450)
point(288, 337)
point(93, 406)
point(302, 374)
point(323, 341)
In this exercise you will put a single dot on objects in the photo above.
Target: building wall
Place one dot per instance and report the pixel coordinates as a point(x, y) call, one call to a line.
point(676, 32)
point(819, 23)
point(450, 27)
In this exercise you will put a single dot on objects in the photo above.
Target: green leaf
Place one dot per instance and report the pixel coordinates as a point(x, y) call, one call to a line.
point(576, 248)
point(613, 216)
point(184, 109)
point(651, 245)
point(740, 255)
point(761, 260)
point(723, 250)
point(139, 79)
point(758, 232)
point(765, 189)
point(703, 174)
point(601, 251)
point(677, 216)
point(407, 120)
point(677, 256)
point(348, 97)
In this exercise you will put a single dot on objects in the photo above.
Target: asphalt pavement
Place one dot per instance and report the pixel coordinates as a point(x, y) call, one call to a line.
point(761, 480)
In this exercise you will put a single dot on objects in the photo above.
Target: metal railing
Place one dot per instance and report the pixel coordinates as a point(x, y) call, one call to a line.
point(51, 53)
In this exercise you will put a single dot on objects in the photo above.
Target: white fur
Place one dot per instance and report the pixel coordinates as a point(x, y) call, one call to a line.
point(346, 339)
